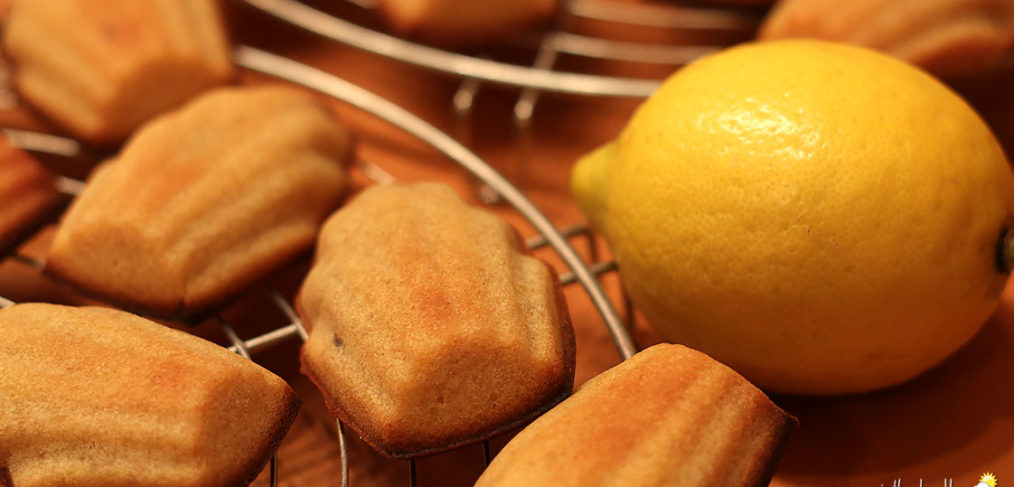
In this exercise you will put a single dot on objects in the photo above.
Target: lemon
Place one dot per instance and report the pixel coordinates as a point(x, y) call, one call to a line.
point(822, 218)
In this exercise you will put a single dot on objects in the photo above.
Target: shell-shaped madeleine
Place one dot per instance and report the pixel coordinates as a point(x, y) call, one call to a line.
point(429, 328)
point(100, 397)
point(669, 416)
point(946, 37)
point(465, 23)
point(101, 68)
point(205, 200)
point(27, 195)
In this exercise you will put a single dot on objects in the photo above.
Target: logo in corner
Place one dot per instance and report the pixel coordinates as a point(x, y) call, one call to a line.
point(987, 480)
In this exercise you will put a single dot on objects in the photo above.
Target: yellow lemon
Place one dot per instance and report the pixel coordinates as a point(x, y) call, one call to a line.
point(822, 218)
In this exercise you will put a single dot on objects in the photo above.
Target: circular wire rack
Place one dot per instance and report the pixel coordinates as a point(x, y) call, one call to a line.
point(472, 72)
point(283, 68)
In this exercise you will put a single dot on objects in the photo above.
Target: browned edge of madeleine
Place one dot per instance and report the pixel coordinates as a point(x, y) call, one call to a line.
point(780, 442)
point(206, 306)
point(270, 446)
point(406, 450)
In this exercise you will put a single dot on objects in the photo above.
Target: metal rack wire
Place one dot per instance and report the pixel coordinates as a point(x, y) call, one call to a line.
point(541, 75)
point(286, 69)
point(532, 81)
point(474, 74)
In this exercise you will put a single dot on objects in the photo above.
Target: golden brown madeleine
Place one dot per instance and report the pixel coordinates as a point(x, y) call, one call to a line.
point(946, 37)
point(429, 328)
point(101, 68)
point(100, 397)
point(452, 22)
point(669, 416)
point(27, 195)
point(203, 201)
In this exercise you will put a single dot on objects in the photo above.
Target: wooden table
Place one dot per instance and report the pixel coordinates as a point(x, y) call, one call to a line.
point(955, 422)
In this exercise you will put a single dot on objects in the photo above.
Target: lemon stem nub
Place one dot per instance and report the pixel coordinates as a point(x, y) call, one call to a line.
point(1006, 257)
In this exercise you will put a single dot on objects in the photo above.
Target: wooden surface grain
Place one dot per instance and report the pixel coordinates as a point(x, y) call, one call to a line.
point(955, 422)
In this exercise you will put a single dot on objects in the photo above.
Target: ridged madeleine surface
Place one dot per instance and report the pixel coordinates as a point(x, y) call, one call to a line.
point(669, 416)
point(99, 397)
point(947, 37)
point(429, 328)
point(100, 68)
point(203, 201)
point(27, 195)
point(466, 23)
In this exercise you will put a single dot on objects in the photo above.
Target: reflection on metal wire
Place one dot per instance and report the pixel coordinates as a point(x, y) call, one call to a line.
point(634, 52)
point(49, 144)
point(450, 62)
point(376, 173)
point(343, 453)
point(664, 16)
point(39, 142)
point(69, 186)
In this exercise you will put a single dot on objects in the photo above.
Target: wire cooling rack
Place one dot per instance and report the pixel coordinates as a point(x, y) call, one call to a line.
point(473, 74)
point(547, 49)
point(553, 43)
point(279, 67)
